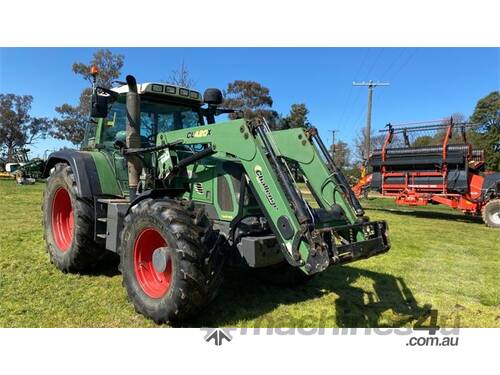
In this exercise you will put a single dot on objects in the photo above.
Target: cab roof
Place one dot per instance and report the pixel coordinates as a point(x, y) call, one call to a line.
point(164, 89)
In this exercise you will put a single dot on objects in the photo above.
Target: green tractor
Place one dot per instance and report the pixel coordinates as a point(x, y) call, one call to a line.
point(176, 195)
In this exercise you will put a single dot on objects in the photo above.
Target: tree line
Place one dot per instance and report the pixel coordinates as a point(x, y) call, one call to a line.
point(249, 99)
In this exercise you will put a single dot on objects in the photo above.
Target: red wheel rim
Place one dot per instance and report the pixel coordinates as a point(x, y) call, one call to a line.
point(155, 284)
point(62, 219)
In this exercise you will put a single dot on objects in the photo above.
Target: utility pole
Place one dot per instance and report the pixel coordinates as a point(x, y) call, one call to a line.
point(370, 84)
point(333, 140)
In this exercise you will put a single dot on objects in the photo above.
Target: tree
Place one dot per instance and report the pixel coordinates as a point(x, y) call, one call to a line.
point(423, 141)
point(72, 120)
point(17, 127)
point(487, 136)
point(487, 111)
point(250, 99)
point(341, 155)
point(182, 77)
point(297, 118)
point(376, 142)
point(456, 135)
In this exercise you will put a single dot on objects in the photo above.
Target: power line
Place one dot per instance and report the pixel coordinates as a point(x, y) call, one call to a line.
point(365, 75)
point(406, 62)
point(375, 62)
point(403, 62)
point(348, 100)
point(392, 64)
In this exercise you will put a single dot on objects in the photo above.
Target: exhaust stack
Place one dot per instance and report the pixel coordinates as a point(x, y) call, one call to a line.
point(133, 140)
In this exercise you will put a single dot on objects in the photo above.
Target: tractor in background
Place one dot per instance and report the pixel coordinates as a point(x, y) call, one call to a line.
point(25, 170)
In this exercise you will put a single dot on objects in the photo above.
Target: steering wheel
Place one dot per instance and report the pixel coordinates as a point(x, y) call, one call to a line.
point(151, 139)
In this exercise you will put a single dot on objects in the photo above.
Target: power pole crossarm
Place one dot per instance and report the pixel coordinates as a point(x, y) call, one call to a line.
point(370, 84)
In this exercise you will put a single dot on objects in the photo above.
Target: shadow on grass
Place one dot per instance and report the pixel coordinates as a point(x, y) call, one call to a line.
point(244, 297)
point(431, 214)
point(107, 266)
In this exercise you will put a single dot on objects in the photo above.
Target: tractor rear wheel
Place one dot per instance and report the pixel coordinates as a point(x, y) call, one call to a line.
point(171, 259)
point(491, 213)
point(68, 223)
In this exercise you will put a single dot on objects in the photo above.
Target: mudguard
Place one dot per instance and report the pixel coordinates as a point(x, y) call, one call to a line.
point(84, 170)
point(491, 184)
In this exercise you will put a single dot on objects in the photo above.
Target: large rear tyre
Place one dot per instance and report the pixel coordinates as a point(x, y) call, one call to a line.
point(171, 259)
point(68, 223)
point(491, 213)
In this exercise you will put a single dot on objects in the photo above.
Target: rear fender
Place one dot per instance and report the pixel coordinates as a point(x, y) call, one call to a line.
point(491, 185)
point(83, 167)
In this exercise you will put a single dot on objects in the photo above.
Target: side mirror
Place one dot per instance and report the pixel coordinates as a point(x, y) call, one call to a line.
point(213, 97)
point(99, 106)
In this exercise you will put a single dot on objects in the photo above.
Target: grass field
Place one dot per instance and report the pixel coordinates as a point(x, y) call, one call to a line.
point(439, 260)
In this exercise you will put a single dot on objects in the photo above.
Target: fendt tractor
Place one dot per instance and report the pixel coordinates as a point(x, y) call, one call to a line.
point(177, 195)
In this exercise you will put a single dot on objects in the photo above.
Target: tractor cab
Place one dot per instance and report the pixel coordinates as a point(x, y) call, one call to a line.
point(163, 108)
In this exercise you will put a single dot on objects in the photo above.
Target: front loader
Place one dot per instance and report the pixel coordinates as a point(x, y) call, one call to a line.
point(176, 195)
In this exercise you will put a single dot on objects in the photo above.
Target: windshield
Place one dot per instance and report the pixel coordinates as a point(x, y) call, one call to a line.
point(156, 117)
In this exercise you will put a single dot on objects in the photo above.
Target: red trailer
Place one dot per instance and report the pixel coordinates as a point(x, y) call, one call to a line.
point(434, 163)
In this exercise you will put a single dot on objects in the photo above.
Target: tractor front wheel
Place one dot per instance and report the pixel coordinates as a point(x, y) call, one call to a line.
point(68, 223)
point(170, 259)
point(491, 213)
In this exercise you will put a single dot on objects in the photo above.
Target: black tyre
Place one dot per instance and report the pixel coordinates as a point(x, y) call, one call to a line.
point(68, 223)
point(491, 213)
point(171, 259)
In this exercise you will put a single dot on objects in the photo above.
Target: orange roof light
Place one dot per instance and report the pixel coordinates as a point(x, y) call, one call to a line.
point(94, 70)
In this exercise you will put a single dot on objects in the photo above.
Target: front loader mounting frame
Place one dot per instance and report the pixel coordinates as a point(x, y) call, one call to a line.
point(336, 232)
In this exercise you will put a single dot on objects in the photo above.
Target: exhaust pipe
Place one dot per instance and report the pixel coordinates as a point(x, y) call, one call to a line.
point(133, 140)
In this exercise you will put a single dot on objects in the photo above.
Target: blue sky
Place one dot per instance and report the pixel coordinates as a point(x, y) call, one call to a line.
point(426, 83)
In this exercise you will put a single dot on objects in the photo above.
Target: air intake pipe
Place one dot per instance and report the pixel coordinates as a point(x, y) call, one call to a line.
point(133, 140)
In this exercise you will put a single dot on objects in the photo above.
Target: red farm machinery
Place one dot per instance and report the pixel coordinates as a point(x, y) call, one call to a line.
point(434, 163)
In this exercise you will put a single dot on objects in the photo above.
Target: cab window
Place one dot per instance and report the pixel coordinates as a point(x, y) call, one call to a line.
point(155, 117)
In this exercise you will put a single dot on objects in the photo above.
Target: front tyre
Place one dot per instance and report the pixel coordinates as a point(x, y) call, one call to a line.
point(170, 259)
point(491, 213)
point(68, 223)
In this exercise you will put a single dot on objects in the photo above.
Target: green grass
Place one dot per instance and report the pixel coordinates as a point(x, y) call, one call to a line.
point(439, 259)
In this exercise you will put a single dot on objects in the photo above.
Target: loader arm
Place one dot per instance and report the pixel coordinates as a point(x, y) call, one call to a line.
point(306, 240)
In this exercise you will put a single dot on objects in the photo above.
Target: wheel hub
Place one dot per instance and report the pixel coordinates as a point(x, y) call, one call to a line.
point(160, 259)
point(495, 217)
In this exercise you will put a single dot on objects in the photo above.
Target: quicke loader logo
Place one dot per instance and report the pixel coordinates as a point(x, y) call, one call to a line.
point(199, 133)
point(265, 186)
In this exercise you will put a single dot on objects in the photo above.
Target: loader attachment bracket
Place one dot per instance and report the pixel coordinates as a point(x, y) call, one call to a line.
point(348, 249)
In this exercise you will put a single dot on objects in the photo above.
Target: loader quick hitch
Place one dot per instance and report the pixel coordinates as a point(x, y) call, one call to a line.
point(319, 256)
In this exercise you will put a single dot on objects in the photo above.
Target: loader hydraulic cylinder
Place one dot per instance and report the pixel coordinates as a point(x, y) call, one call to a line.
point(298, 204)
point(339, 176)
